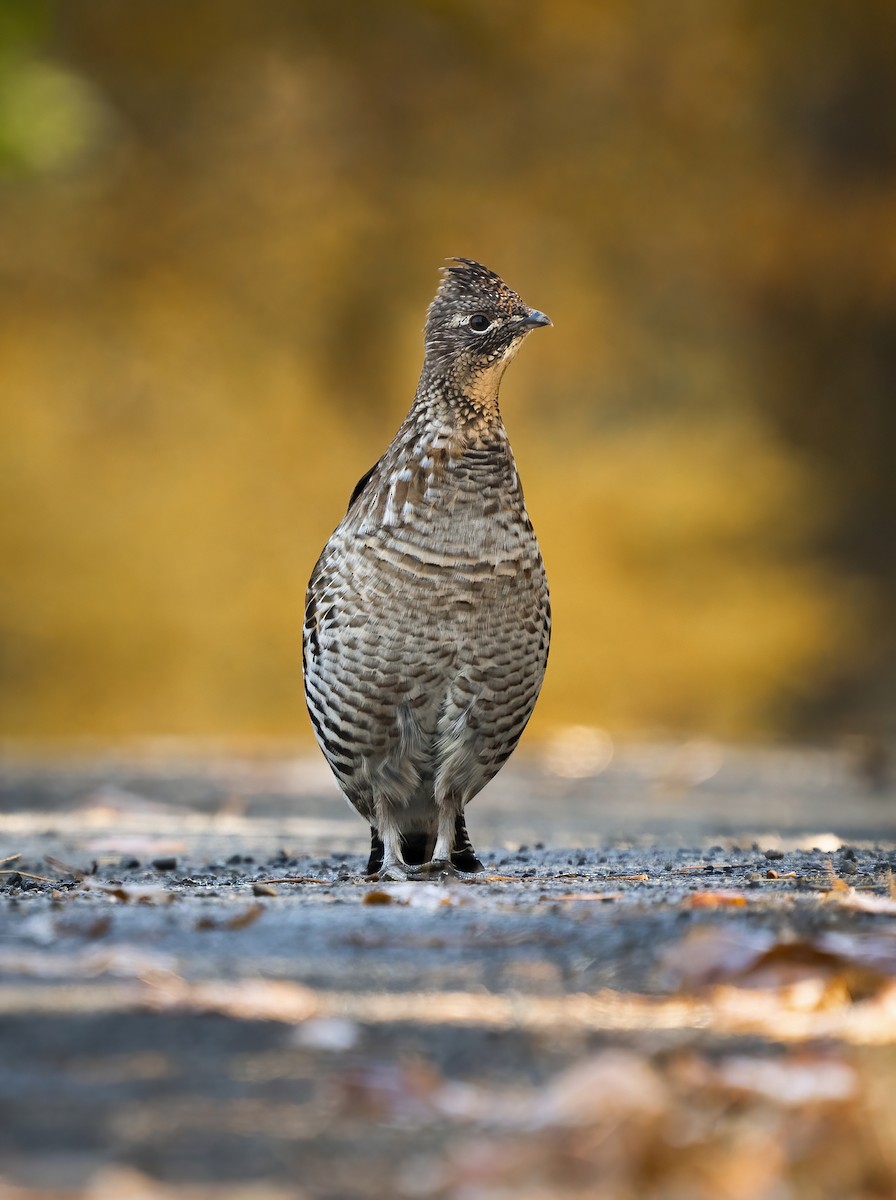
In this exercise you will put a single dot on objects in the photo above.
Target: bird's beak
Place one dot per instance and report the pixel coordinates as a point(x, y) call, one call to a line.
point(535, 319)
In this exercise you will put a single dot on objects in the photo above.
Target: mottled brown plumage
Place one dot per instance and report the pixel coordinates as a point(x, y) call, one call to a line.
point(427, 619)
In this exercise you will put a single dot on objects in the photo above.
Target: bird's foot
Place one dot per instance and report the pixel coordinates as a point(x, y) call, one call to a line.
point(393, 873)
point(438, 868)
point(466, 863)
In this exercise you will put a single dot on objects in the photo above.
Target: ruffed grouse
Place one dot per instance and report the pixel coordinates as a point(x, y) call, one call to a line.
point(427, 618)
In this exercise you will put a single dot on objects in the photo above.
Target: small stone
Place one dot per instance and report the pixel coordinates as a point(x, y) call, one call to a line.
point(164, 864)
point(234, 860)
point(774, 855)
point(263, 889)
point(129, 863)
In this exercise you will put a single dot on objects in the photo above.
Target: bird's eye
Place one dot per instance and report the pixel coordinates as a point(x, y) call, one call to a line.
point(479, 323)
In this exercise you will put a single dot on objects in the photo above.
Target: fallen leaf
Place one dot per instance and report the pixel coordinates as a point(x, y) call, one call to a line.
point(97, 928)
point(149, 894)
point(715, 900)
point(294, 879)
point(586, 896)
point(75, 872)
point(845, 966)
point(248, 917)
point(243, 919)
point(835, 883)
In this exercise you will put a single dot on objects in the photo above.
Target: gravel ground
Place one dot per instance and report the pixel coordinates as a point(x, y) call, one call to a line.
point(200, 994)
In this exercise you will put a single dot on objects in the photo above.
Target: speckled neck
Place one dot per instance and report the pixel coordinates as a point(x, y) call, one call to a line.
point(460, 397)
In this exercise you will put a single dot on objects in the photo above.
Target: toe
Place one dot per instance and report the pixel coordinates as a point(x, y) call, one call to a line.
point(391, 874)
point(438, 868)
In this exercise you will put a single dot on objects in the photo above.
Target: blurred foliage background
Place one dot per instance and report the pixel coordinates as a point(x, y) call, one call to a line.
point(220, 225)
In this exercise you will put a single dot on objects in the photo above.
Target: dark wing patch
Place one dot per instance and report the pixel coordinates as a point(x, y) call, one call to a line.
point(310, 625)
point(362, 484)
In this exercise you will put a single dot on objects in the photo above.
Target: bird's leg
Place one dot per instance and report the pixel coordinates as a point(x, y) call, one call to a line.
point(392, 867)
point(461, 859)
point(463, 856)
point(415, 848)
point(445, 836)
point(376, 852)
point(440, 863)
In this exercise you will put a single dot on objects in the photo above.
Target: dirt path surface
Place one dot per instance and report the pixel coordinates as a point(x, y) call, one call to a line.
point(675, 978)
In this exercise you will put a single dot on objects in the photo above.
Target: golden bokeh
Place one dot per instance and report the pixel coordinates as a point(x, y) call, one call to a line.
point(220, 225)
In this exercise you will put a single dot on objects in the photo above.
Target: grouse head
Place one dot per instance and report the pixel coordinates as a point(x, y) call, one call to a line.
point(476, 324)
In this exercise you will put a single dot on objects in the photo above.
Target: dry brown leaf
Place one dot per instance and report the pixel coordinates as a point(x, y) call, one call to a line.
point(835, 883)
point(294, 879)
point(244, 919)
point(842, 967)
point(240, 921)
point(376, 896)
point(715, 900)
point(97, 928)
point(147, 894)
point(586, 896)
point(75, 872)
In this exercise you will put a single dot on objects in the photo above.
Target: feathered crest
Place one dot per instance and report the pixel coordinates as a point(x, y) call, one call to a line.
point(472, 274)
point(464, 279)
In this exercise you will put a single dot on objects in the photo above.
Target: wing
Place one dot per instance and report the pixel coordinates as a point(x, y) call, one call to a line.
point(362, 484)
